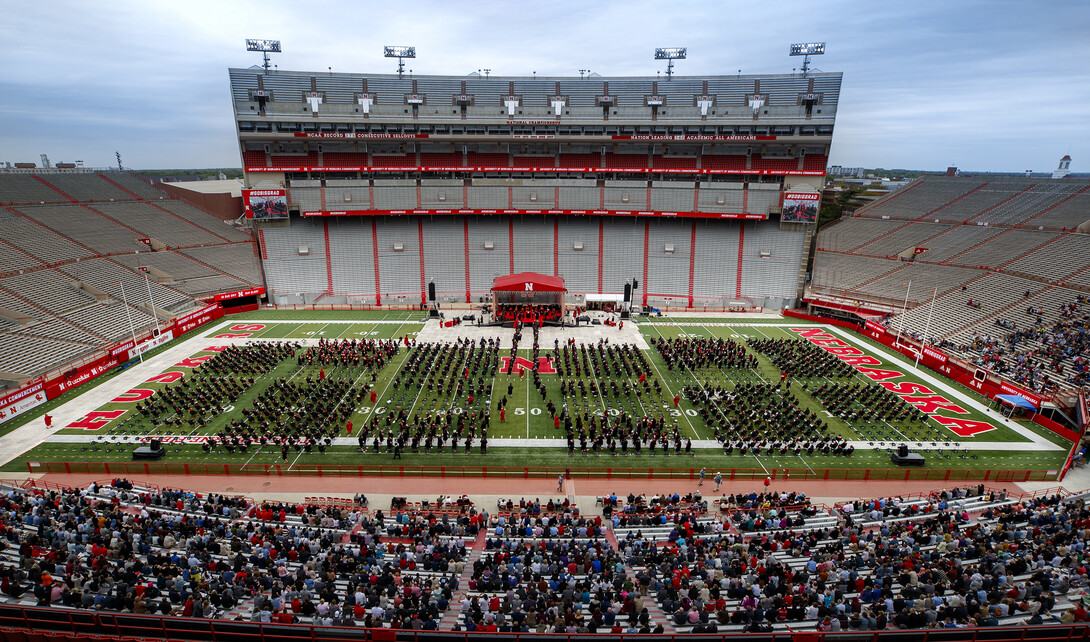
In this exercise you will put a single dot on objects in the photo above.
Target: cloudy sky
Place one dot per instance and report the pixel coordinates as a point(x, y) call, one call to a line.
point(1000, 85)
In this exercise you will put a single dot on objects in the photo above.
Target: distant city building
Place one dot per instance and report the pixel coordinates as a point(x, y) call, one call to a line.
point(837, 170)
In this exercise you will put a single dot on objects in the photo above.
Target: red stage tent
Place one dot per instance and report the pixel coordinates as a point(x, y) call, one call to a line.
point(528, 282)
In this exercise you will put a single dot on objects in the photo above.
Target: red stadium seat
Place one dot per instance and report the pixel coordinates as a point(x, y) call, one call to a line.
point(674, 162)
point(622, 161)
point(481, 159)
point(534, 161)
point(444, 159)
point(253, 158)
point(580, 160)
point(393, 161)
point(721, 161)
point(344, 159)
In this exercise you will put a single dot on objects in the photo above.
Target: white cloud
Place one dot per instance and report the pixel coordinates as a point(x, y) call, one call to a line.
point(998, 84)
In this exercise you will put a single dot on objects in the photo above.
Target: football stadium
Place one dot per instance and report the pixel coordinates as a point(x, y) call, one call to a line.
point(541, 357)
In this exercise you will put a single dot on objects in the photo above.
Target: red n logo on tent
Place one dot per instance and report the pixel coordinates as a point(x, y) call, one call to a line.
point(544, 366)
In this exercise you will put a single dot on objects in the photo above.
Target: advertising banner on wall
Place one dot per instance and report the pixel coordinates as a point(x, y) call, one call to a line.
point(800, 207)
point(228, 296)
point(197, 319)
point(265, 204)
point(20, 401)
point(654, 214)
point(547, 169)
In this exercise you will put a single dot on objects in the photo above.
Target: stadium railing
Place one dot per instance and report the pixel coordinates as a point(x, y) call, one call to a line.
point(545, 472)
point(40, 625)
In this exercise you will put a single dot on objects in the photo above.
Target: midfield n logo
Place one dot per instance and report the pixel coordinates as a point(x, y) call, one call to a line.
point(543, 365)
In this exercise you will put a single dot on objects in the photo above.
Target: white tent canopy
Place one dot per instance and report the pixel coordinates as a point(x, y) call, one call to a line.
point(604, 298)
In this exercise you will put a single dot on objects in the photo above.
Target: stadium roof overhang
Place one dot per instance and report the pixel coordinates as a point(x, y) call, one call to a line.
point(528, 282)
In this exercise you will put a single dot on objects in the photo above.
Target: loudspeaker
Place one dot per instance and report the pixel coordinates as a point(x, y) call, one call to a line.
point(431, 291)
point(902, 450)
point(156, 444)
point(635, 284)
point(624, 314)
point(627, 293)
point(434, 313)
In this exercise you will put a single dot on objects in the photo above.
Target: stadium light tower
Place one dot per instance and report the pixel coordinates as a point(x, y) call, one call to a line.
point(807, 49)
point(265, 47)
point(671, 54)
point(399, 52)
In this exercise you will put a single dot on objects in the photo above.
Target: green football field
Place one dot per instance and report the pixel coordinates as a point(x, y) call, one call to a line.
point(527, 436)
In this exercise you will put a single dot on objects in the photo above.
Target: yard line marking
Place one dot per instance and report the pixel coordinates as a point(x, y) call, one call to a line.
point(527, 402)
point(378, 399)
point(663, 379)
point(806, 464)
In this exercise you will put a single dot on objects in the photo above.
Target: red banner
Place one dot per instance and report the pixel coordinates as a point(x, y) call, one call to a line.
point(875, 329)
point(197, 319)
point(227, 296)
point(56, 387)
point(122, 348)
point(693, 137)
point(935, 354)
point(528, 122)
point(367, 136)
point(717, 215)
point(573, 170)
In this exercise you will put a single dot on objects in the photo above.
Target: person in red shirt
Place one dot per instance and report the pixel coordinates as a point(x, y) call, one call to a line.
point(348, 426)
point(503, 414)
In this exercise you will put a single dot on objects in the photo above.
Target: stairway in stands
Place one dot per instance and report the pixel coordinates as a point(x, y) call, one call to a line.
point(453, 614)
point(654, 609)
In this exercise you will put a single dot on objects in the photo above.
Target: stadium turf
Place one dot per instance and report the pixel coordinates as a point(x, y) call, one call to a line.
point(527, 415)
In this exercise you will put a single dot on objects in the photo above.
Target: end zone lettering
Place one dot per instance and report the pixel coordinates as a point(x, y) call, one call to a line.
point(97, 419)
point(929, 403)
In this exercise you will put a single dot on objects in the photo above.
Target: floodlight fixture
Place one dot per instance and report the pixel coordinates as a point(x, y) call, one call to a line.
point(807, 49)
point(265, 46)
point(400, 52)
point(670, 54)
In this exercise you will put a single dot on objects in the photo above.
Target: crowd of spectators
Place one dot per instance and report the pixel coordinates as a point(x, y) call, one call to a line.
point(885, 563)
point(1037, 355)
